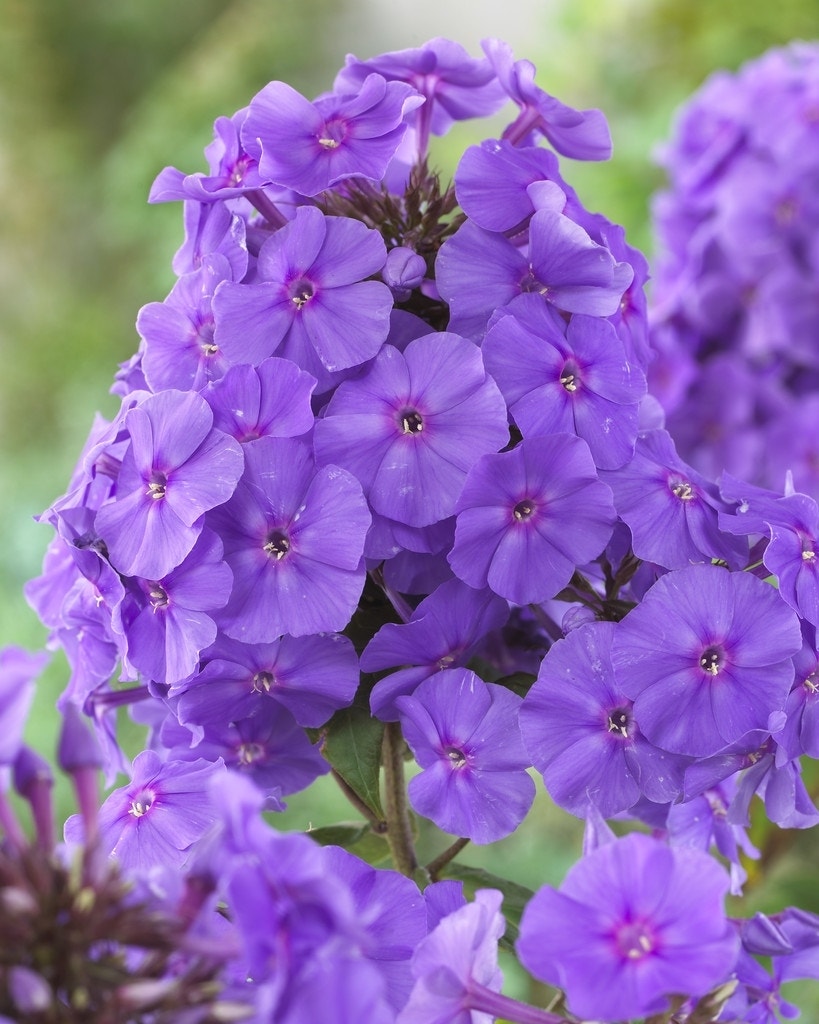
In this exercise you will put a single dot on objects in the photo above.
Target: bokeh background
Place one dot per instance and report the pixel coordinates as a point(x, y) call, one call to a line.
point(96, 97)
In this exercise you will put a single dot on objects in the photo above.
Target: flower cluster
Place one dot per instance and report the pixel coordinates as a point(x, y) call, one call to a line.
point(386, 483)
point(735, 303)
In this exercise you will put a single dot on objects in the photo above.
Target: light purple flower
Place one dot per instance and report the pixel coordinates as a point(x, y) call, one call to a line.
point(158, 817)
point(176, 468)
point(310, 146)
point(633, 923)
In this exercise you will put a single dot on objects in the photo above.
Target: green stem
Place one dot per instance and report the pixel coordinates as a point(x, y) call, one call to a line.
point(436, 866)
point(376, 823)
point(399, 829)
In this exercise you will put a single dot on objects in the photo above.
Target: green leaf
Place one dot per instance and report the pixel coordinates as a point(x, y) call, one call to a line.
point(357, 837)
point(515, 897)
point(352, 745)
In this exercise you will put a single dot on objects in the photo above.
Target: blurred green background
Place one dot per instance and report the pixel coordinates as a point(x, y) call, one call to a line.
point(98, 96)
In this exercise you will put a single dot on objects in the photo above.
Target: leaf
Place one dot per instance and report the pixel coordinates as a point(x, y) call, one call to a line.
point(352, 745)
point(357, 837)
point(515, 897)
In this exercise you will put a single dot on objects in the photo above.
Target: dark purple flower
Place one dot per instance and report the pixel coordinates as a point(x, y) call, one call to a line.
point(581, 733)
point(413, 425)
point(580, 134)
point(311, 676)
point(310, 146)
point(527, 517)
point(633, 923)
point(311, 301)
point(268, 745)
point(566, 379)
point(444, 632)
point(692, 658)
point(294, 537)
point(176, 468)
point(464, 734)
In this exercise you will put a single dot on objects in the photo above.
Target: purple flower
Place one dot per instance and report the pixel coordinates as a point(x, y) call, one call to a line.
point(478, 271)
point(792, 554)
point(581, 733)
point(178, 333)
point(582, 135)
point(691, 656)
point(633, 923)
point(268, 400)
point(464, 734)
point(528, 516)
point(671, 510)
point(310, 146)
point(457, 961)
point(443, 633)
point(413, 425)
point(311, 302)
point(18, 670)
point(176, 468)
point(566, 379)
point(167, 621)
point(158, 817)
point(294, 537)
point(454, 85)
point(311, 676)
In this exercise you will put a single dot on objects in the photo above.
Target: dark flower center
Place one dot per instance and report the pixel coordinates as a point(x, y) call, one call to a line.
point(263, 682)
point(301, 292)
point(205, 338)
point(682, 489)
point(250, 752)
point(333, 134)
point(570, 378)
point(157, 486)
point(278, 544)
point(158, 597)
point(142, 803)
point(523, 509)
point(618, 721)
point(412, 422)
point(811, 683)
point(711, 660)
point(456, 757)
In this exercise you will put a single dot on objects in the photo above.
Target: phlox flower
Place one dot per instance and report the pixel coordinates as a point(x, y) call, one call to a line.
point(526, 517)
point(412, 426)
point(464, 734)
point(633, 923)
point(582, 735)
point(159, 816)
point(293, 537)
point(693, 658)
point(310, 146)
point(310, 301)
point(175, 469)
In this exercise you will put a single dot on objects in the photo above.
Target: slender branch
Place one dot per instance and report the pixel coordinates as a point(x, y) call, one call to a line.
point(436, 866)
point(399, 829)
point(377, 824)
